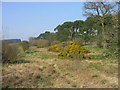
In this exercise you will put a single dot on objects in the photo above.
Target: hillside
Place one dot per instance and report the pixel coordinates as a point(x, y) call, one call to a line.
point(11, 40)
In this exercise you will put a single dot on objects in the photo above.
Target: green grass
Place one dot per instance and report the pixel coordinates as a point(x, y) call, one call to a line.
point(97, 57)
point(40, 54)
point(46, 56)
point(95, 66)
point(98, 53)
point(38, 78)
point(15, 62)
point(44, 80)
point(95, 76)
point(98, 49)
point(93, 47)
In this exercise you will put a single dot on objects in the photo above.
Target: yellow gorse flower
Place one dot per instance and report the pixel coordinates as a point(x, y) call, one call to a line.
point(69, 49)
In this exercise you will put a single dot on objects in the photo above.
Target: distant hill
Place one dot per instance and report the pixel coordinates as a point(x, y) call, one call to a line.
point(12, 40)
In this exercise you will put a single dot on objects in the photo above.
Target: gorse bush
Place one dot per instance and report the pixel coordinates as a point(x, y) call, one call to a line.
point(55, 48)
point(69, 49)
point(73, 50)
point(9, 52)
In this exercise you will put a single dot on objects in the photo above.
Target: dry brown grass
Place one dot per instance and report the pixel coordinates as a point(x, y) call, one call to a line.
point(59, 73)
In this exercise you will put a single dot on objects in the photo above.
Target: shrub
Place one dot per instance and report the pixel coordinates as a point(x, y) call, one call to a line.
point(9, 52)
point(43, 42)
point(55, 42)
point(73, 50)
point(39, 42)
point(69, 49)
point(33, 42)
point(0, 50)
point(25, 45)
point(55, 48)
point(79, 41)
point(39, 46)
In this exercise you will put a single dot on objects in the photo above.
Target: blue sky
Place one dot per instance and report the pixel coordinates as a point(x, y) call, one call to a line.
point(22, 20)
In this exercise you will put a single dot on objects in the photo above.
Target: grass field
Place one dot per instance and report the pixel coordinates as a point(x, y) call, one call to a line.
point(39, 68)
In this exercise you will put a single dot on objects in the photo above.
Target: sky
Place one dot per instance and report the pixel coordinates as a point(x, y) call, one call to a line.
point(21, 20)
point(0, 21)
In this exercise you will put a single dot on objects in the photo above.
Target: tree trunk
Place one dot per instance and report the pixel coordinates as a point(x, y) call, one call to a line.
point(104, 37)
point(71, 34)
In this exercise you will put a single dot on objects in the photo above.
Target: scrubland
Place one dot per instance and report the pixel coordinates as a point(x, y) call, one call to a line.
point(38, 67)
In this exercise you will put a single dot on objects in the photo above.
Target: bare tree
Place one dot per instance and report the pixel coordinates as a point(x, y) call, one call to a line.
point(100, 10)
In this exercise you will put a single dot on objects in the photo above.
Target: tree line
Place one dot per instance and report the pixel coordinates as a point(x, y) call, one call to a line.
point(100, 27)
